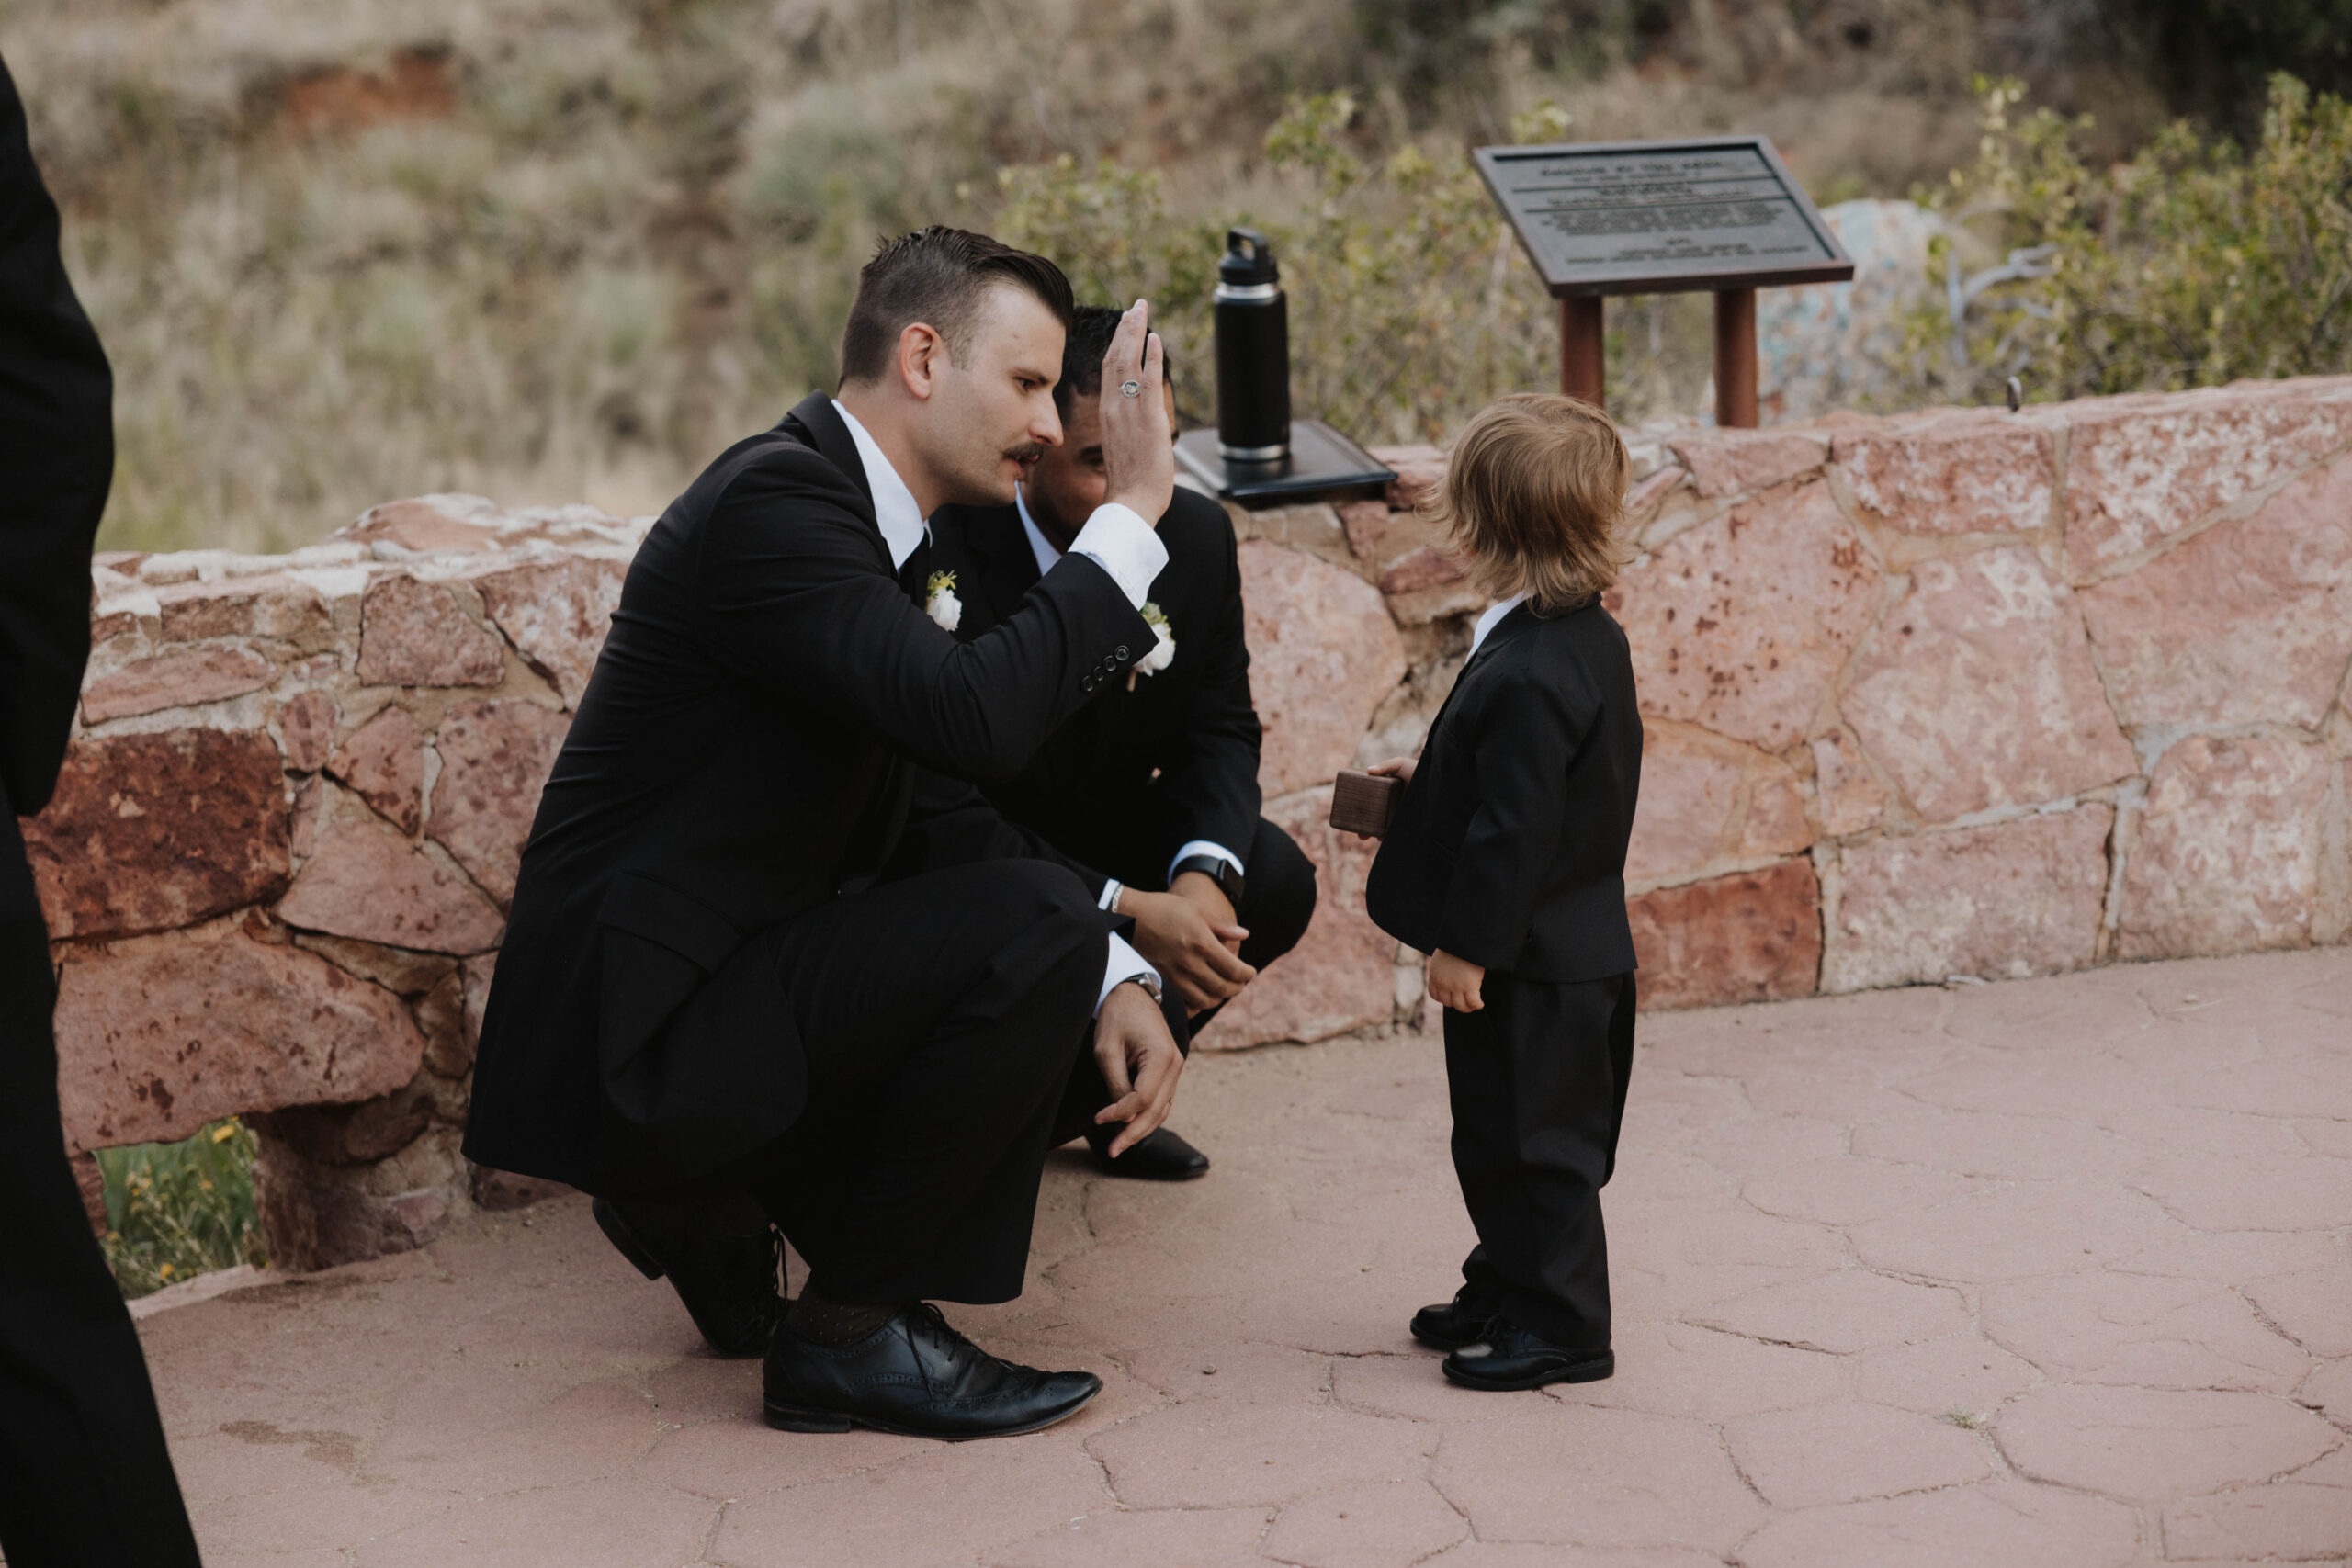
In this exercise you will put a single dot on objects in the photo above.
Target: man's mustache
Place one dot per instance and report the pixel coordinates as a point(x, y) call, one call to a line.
point(1026, 453)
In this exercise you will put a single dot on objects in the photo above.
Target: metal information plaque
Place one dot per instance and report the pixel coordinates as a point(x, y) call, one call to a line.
point(1662, 217)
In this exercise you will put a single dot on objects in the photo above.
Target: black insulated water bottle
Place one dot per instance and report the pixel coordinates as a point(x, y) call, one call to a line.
point(1252, 353)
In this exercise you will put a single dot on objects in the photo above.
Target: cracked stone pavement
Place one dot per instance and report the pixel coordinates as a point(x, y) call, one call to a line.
point(2043, 1273)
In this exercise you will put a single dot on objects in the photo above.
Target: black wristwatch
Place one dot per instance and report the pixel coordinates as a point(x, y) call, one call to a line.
point(1218, 869)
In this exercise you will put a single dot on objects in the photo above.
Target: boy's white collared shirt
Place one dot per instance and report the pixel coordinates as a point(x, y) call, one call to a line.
point(1113, 548)
point(1491, 619)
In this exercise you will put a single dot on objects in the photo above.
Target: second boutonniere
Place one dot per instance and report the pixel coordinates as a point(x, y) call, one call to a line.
point(939, 601)
point(1163, 645)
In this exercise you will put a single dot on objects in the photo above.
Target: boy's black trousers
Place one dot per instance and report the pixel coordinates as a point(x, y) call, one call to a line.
point(1537, 1078)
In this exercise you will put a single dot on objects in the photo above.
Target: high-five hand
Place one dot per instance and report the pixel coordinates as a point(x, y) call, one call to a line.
point(1139, 462)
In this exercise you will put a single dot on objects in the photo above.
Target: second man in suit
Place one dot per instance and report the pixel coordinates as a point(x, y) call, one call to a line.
point(1153, 783)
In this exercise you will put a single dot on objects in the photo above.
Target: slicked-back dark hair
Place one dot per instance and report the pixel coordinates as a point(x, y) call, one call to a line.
point(938, 276)
point(1091, 327)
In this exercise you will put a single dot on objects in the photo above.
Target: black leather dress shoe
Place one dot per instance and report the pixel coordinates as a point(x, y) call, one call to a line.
point(1448, 1326)
point(1160, 1156)
point(1508, 1357)
point(723, 1265)
point(917, 1377)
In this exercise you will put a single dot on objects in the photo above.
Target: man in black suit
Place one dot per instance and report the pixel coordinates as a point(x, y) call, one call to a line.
point(1155, 780)
point(725, 971)
point(84, 1477)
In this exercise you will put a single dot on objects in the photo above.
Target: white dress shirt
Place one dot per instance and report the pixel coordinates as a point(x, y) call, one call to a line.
point(1108, 539)
point(1490, 620)
point(1042, 549)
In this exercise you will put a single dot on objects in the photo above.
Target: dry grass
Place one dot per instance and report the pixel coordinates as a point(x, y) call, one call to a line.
point(559, 249)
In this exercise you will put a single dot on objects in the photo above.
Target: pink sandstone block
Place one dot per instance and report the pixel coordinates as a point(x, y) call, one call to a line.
point(384, 762)
point(2288, 1520)
point(270, 605)
point(2139, 471)
point(1739, 623)
point(1736, 462)
point(306, 727)
point(421, 527)
point(2229, 848)
point(2249, 621)
point(1424, 567)
point(368, 882)
point(1340, 976)
point(414, 634)
point(1704, 800)
point(1323, 652)
point(2006, 901)
point(1850, 1452)
point(160, 1035)
point(1952, 473)
point(1621, 1478)
point(1420, 473)
point(557, 615)
point(147, 832)
point(1977, 690)
point(495, 758)
point(2148, 1445)
point(1394, 1524)
point(1748, 936)
point(183, 678)
point(1366, 523)
point(1999, 1524)
point(1852, 800)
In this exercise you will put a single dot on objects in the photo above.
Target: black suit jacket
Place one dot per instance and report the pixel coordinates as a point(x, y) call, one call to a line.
point(1509, 846)
point(749, 745)
point(57, 459)
point(1092, 786)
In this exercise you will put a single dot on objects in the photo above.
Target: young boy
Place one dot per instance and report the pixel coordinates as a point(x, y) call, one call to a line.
point(1506, 864)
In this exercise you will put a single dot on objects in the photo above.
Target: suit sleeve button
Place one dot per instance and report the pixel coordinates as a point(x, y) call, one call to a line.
point(1123, 651)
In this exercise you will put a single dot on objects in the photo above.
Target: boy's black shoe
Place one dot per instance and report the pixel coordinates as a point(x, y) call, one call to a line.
point(1159, 1155)
point(1508, 1357)
point(722, 1266)
point(918, 1378)
point(1448, 1326)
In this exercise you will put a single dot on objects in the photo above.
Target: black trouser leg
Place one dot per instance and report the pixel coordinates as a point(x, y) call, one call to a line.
point(1537, 1080)
point(941, 1016)
point(86, 1480)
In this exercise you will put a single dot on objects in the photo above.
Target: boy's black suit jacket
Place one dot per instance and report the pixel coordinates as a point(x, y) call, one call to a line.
point(1509, 846)
point(1090, 787)
point(749, 745)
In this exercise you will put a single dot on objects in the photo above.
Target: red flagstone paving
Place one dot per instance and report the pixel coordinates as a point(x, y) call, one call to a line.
point(2055, 1272)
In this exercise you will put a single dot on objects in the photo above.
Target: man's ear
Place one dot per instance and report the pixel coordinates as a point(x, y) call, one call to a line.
point(922, 353)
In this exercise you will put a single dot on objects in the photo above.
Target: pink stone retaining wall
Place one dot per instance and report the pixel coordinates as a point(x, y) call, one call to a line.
point(1959, 693)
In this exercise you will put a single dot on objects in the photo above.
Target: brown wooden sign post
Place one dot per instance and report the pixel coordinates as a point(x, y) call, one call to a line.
point(1605, 217)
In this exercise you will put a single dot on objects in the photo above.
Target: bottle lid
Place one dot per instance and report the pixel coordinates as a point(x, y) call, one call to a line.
point(1247, 260)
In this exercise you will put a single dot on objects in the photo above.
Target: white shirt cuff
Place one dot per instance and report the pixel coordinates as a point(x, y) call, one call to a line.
point(1109, 900)
point(1119, 541)
point(1202, 847)
point(1124, 965)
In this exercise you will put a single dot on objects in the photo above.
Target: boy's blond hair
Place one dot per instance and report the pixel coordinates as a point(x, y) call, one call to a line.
point(1533, 495)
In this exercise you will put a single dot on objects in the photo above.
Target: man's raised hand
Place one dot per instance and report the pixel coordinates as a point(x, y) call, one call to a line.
point(1139, 462)
point(1139, 1062)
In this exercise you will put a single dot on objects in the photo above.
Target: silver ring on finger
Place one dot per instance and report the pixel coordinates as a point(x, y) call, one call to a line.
point(1131, 389)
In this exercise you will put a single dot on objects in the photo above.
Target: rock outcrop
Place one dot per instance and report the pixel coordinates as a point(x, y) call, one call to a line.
point(1956, 692)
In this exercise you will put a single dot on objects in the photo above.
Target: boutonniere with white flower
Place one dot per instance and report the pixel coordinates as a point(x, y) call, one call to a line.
point(940, 603)
point(1163, 645)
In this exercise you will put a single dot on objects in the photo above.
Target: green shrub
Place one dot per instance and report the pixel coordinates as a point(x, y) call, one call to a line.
point(174, 1211)
point(2192, 262)
point(1410, 306)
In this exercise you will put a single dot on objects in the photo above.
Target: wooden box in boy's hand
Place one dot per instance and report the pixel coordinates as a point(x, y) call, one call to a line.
point(1364, 803)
